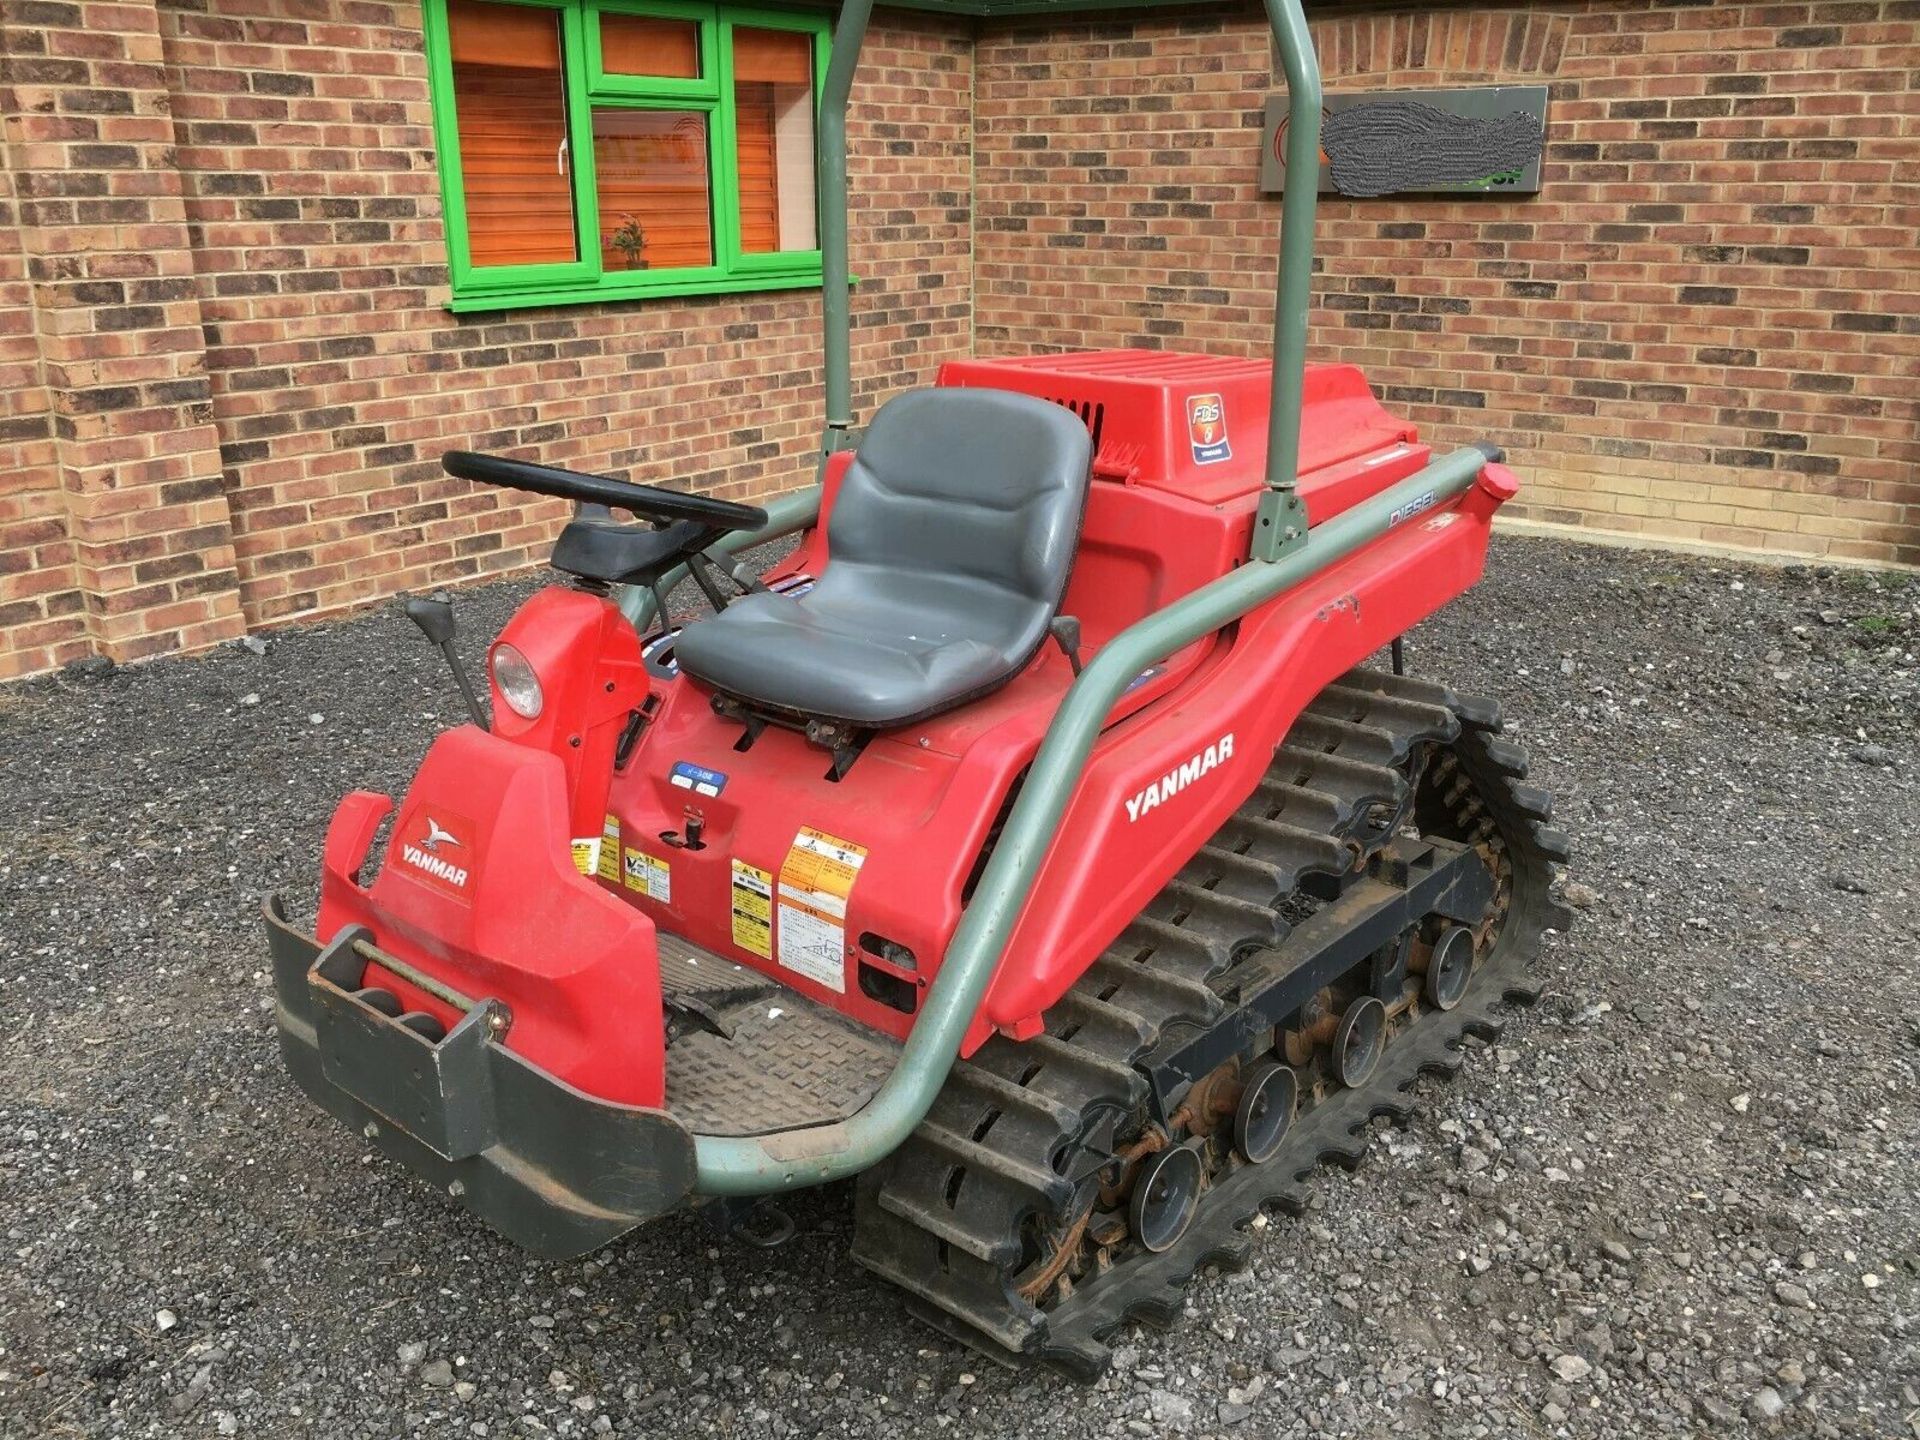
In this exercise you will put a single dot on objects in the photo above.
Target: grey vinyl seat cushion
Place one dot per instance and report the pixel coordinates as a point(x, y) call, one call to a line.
point(949, 546)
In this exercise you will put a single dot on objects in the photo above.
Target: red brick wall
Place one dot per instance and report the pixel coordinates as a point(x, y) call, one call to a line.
point(227, 370)
point(103, 235)
point(287, 157)
point(1706, 327)
point(40, 600)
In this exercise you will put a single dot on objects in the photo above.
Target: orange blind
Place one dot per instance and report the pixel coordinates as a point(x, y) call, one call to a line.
point(510, 111)
point(759, 175)
point(768, 67)
point(520, 37)
point(776, 57)
point(646, 45)
point(651, 169)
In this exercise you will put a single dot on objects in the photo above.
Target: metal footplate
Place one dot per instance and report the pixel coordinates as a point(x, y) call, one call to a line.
point(748, 1056)
point(555, 1170)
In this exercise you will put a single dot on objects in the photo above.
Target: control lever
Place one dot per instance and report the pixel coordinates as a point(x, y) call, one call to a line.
point(434, 615)
point(691, 838)
point(1065, 630)
point(741, 573)
point(706, 569)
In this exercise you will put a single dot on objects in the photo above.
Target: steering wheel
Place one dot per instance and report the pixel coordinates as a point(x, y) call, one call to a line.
point(666, 506)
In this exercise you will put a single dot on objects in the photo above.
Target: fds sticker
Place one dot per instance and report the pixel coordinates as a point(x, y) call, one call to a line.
point(1207, 429)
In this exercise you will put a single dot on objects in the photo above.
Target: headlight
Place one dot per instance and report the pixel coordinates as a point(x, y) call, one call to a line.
point(516, 682)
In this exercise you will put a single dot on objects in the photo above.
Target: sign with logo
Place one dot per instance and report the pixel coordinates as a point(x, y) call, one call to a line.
point(1162, 790)
point(436, 846)
point(1207, 429)
point(1475, 140)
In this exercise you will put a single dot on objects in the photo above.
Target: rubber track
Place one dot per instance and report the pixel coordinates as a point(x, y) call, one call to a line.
point(944, 1217)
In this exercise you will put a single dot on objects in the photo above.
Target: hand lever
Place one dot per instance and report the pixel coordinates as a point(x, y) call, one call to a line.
point(1065, 630)
point(434, 615)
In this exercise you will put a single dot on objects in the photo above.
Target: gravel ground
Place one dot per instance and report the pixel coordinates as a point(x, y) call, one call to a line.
point(1679, 1198)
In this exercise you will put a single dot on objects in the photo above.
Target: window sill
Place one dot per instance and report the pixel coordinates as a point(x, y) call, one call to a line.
point(477, 302)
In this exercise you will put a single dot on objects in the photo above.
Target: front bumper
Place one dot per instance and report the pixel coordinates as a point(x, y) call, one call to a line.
point(555, 1170)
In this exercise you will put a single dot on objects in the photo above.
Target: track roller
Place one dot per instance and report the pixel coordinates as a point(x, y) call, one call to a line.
point(1450, 968)
point(1265, 1111)
point(1165, 1196)
point(1359, 1042)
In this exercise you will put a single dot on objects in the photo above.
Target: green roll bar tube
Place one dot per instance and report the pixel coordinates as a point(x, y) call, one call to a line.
point(1280, 524)
point(758, 1165)
point(835, 298)
point(787, 514)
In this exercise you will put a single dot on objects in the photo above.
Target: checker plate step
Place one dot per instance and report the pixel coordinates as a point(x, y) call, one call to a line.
point(786, 1063)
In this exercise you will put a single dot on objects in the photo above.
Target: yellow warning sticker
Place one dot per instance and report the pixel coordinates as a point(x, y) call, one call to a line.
point(753, 909)
point(598, 856)
point(650, 875)
point(586, 855)
point(815, 880)
point(606, 861)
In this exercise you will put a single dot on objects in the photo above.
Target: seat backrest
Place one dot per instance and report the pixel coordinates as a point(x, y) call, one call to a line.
point(974, 495)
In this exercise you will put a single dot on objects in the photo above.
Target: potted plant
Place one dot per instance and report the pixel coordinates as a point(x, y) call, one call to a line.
point(630, 239)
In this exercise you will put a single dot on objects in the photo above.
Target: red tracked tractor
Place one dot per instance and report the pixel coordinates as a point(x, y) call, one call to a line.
point(1033, 843)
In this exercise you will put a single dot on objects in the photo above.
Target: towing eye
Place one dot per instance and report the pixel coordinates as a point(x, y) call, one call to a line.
point(499, 1017)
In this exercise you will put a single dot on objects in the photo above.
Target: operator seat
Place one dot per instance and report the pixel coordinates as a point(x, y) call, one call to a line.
point(949, 546)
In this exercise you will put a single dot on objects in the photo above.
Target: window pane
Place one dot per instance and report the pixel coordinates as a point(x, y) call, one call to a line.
point(773, 109)
point(509, 98)
point(651, 167)
point(647, 45)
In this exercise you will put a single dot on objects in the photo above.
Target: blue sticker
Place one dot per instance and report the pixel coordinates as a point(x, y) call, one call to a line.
point(697, 778)
point(656, 653)
point(1152, 672)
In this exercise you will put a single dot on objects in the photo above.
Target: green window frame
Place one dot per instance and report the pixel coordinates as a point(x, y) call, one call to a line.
point(585, 86)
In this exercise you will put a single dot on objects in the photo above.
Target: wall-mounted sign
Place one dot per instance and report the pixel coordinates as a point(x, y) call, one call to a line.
point(1482, 140)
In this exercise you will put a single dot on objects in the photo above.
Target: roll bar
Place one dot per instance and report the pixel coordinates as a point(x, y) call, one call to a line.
point(1281, 521)
point(830, 166)
point(1280, 524)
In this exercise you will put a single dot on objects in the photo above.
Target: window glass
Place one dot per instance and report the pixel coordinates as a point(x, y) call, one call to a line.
point(651, 169)
point(686, 137)
point(647, 45)
point(509, 94)
point(773, 126)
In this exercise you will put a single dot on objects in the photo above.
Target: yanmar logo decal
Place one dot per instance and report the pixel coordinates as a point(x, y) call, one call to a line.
point(1176, 780)
point(437, 846)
